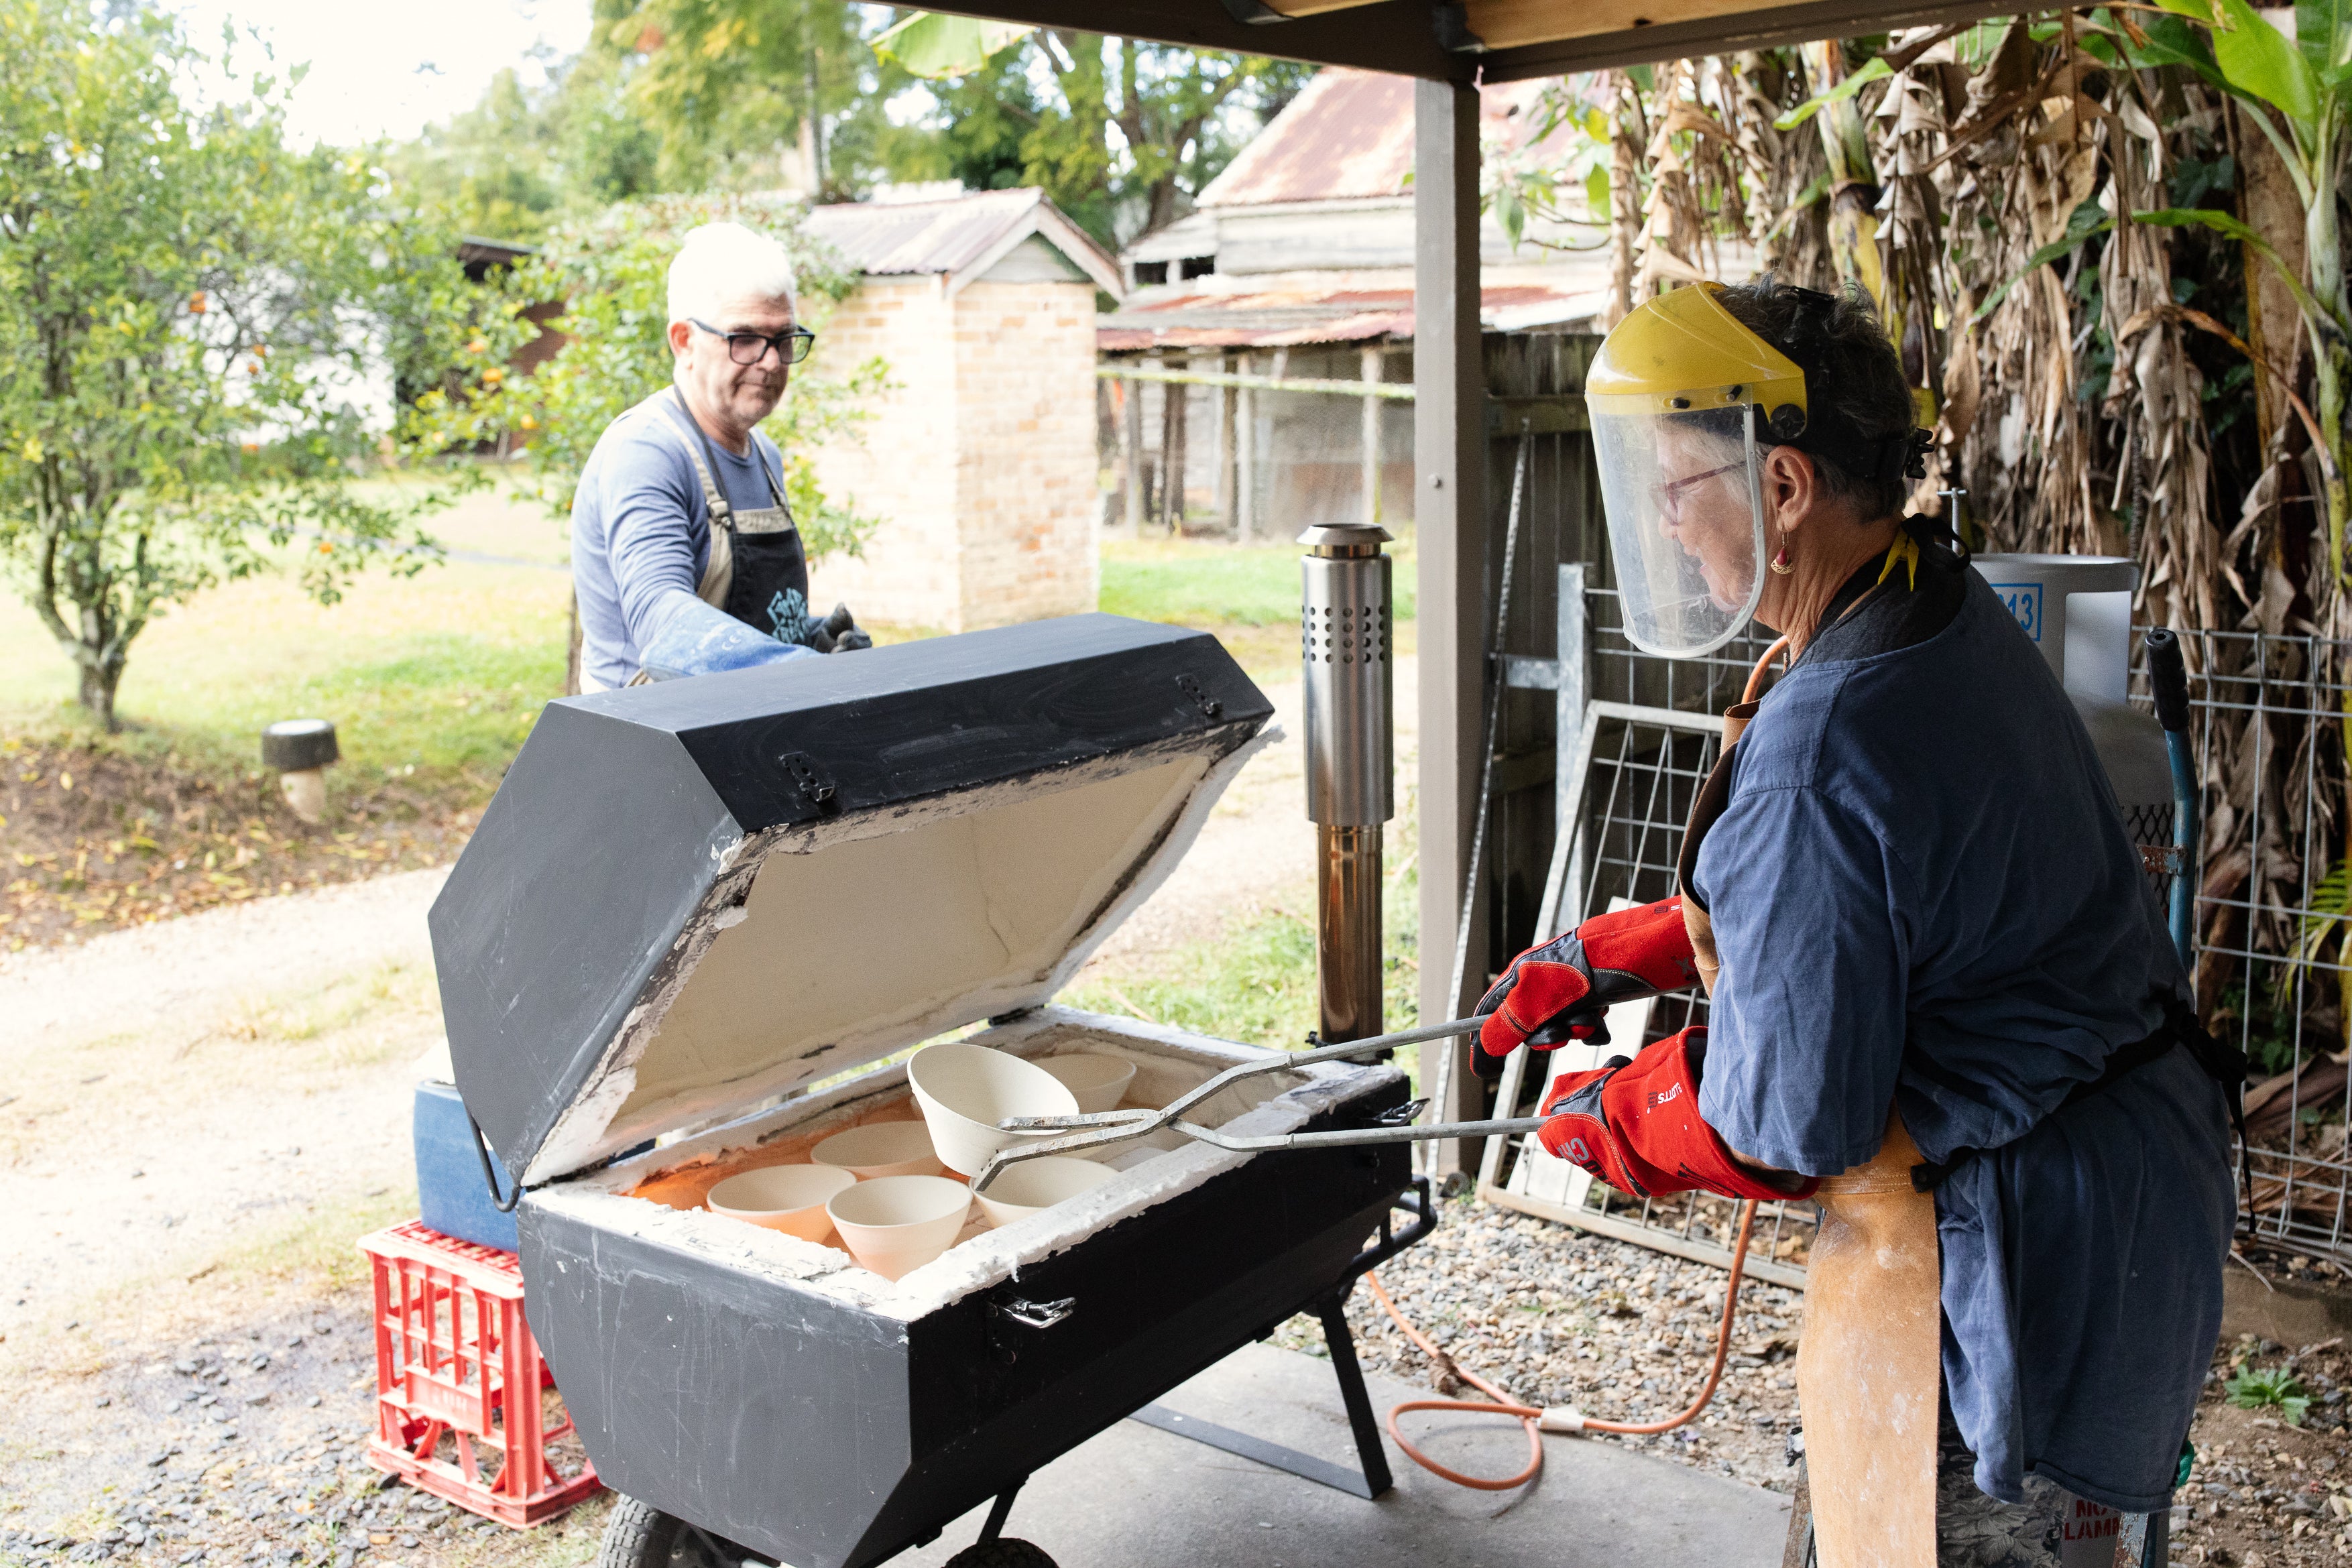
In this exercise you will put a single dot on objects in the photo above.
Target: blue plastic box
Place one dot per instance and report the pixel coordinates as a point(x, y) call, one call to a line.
point(450, 1173)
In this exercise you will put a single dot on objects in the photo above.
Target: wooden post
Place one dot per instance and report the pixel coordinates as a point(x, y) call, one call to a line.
point(1131, 454)
point(1173, 397)
point(1449, 440)
point(1246, 456)
point(1222, 448)
point(1372, 438)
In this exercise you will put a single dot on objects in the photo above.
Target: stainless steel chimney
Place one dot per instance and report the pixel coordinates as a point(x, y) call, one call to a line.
point(1345, 629)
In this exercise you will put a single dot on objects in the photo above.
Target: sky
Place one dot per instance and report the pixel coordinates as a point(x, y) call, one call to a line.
point(387, 70)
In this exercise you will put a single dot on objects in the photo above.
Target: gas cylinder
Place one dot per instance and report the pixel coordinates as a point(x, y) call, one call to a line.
point(2077, 610)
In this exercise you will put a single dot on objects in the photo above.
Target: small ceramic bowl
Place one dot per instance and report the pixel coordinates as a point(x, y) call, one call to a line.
point(789, 1198)
point(895, 1225)
point(880, 1149)
point(1098, 1081)
point(965, 1090)
point(1035, 1185)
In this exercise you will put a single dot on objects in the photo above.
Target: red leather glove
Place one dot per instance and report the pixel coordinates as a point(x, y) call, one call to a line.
point(1559, 991)
point(1634, 1124)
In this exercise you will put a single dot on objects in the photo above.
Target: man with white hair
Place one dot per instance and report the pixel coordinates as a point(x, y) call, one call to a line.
point(684, 555)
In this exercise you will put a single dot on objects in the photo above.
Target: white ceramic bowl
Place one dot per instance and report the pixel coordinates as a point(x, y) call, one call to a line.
point(965, 1090)
point(1098, 1081)
point(789, 1198)
point(1035, 1186)
point(895, 1225)
point(880, 1149)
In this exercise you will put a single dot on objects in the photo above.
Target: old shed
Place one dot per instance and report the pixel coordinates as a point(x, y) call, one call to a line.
point(980, 458)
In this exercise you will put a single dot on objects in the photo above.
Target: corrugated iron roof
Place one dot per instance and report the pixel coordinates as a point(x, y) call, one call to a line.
point(1274, 319)
point(954, 235)
point(1349, 136)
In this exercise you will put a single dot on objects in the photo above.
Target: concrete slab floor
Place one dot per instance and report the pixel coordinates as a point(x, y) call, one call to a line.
point(1137, 1498)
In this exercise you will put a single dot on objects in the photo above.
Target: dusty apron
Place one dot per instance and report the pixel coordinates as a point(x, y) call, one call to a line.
point(1869, 1365)
point(758, 571)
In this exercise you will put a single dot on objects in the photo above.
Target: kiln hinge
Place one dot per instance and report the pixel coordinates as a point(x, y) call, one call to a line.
point(815, 788)
point(1198, 695)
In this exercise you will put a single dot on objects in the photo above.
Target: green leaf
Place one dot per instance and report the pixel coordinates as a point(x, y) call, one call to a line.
point(2173, 42)
point(930, 46)
point(1596, 193)
point(2081, 225)
point(1853, 83)
point(2322, 29)
point(1644, 77)
point(1975, 47)
point(2259, 59)
point(1597, 126)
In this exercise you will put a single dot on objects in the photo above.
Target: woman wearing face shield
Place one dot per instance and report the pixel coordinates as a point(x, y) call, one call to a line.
point(1943, 999)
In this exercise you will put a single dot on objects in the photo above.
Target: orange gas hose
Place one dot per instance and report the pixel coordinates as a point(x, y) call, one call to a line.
point(1532, 1417)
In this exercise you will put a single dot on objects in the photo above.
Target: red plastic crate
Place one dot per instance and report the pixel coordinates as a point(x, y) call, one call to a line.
point(455, 1364)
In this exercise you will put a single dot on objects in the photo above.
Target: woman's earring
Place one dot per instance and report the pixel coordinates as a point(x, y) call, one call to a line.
point(1780, 563)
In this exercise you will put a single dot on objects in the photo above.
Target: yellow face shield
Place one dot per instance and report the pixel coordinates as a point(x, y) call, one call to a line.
point(1675, 394)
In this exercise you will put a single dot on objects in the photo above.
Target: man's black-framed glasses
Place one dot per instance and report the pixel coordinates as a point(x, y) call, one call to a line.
point(751, 348)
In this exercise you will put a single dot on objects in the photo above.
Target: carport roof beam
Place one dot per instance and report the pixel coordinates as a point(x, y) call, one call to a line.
point(1509, 40)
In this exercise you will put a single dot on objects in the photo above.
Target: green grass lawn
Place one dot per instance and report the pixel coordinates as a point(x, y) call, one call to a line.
point(433, 678)
point(1247, 596)
point(433, 681)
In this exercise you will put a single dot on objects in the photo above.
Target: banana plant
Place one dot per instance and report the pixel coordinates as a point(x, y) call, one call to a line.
point(2298, 92)
point(2327, 908)
point(934, 47)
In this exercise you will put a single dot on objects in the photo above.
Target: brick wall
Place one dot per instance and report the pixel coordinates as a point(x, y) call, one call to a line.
point(980, 464)
point(1026, 446)
point(904, 471)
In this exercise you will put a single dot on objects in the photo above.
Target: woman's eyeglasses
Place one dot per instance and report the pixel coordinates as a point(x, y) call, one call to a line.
point(1671, 494)
point(751, 348)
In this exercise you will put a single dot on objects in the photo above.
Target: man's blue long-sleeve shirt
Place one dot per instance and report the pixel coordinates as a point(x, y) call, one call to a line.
point(641, 541)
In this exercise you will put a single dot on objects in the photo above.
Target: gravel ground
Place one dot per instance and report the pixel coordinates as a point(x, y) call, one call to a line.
point(244, 1447)
point(1553, 1315)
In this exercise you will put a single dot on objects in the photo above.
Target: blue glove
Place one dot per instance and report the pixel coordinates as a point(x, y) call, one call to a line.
point(693, 639)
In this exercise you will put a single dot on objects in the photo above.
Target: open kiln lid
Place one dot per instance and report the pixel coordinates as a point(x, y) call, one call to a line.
point(691, 896)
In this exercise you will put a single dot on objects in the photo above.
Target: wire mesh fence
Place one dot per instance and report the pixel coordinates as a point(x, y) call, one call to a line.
point(2273, 912)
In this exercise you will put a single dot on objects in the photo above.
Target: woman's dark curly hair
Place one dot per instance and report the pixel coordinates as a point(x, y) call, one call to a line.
point(1845, 352)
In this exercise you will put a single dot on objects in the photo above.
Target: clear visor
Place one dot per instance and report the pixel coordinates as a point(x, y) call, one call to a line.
point(1684, 502)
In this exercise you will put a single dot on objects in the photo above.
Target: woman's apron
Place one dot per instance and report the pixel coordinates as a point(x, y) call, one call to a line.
point(1869, 1363)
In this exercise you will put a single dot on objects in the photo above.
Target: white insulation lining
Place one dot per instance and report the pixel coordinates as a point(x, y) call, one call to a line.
point(610, 1112)
point(1169, 1062)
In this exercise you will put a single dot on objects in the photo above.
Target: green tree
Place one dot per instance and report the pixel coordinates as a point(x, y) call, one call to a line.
point(611, 272)
point(191, 313)
point(525, 157)
point(733, 89)
point(1129, 134)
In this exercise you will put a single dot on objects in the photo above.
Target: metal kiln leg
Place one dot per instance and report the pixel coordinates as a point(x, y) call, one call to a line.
point(998, 1510)
point(1333, 1310)
point(1375, 1480)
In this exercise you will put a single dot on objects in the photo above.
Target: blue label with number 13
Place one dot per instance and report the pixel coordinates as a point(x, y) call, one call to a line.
point(2022, 600)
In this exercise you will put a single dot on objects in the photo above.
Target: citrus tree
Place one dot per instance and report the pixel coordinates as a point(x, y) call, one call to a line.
point(193, 320)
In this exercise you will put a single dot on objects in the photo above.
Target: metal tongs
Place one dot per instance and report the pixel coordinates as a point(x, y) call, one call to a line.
point(1397, 1125)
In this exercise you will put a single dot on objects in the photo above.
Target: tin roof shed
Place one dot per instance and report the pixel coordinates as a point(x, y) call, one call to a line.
point(963, 238)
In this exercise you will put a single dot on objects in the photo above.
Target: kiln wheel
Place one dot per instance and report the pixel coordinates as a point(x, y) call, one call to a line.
point(1002, 1552)
point(640, 1535)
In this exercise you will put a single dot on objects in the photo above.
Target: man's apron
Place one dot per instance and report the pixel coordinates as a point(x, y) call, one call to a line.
point(1869, 1363)
point(758, 571)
